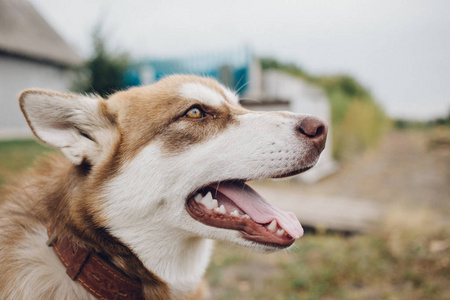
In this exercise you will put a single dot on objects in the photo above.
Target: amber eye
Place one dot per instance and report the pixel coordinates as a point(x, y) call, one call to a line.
point(195, 113)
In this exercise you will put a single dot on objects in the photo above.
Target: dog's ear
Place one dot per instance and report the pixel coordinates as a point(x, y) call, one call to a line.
point(80, 126)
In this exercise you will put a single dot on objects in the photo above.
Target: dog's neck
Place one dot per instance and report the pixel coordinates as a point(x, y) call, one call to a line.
point(180, 263)
point(179, 259)
point(166, 262)
point(99, 241)
point(174, 263)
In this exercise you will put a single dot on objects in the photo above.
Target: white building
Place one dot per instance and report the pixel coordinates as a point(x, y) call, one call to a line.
point(32, 55)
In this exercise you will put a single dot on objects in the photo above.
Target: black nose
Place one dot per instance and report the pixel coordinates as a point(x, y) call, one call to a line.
point(314, 130)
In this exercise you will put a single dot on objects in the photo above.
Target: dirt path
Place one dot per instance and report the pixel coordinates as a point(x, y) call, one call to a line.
point(405, 169)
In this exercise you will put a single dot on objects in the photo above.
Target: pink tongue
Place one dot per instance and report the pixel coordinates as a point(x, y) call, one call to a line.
point(259, 210)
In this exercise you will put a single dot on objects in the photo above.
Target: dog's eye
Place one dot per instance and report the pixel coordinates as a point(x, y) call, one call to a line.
point(194, 113)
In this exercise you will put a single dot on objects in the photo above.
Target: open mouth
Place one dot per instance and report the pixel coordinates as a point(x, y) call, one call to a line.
point(234, 205)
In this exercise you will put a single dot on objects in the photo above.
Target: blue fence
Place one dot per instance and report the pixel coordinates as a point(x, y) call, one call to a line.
point(230, 68)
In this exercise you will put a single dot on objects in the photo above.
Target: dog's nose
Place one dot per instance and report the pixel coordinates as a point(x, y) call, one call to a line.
point(314, 130)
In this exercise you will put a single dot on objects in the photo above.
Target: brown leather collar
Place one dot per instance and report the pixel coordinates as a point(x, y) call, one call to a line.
point(92, 272)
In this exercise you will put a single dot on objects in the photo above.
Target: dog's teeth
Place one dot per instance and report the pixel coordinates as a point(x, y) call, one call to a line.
point(214, 204)
point(208, 197)
point(211, 204)
point(221, 209)
point(280, 232)
point(206, 200)
point(273, 225)
point(235, 213)
point(198, 197)
point(247, 217)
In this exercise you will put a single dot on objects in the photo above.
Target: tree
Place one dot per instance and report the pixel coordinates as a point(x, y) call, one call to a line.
point(103, 73)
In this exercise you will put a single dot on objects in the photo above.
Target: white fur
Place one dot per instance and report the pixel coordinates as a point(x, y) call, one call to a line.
point(58, 119)
point(202, 93)
point(152, 207)
point(36, 260)
point(232, 97)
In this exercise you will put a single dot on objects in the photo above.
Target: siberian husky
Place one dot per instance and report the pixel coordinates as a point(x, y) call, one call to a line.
point(148, 178)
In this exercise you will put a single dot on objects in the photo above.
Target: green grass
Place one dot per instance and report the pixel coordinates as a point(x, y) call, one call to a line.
point(18, 155)
point(391, 264)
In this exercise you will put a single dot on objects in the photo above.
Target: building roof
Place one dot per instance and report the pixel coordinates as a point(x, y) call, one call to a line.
point(25, 33)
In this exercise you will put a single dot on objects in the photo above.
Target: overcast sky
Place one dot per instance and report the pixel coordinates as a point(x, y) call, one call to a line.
point(400, 50)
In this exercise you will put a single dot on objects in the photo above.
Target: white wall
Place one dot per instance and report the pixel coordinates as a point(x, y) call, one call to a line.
point(17, 75)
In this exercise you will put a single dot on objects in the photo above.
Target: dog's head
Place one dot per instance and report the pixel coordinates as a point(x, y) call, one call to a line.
point(173, 158)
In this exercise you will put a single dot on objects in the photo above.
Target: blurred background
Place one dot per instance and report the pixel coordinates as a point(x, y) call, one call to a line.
point(376, 206)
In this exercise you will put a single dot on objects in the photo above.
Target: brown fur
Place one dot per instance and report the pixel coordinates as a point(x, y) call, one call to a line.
point(66, 195)
point(31, 205)
point(154, 110)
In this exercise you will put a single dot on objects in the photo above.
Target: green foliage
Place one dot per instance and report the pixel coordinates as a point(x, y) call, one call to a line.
point(344, 84)
point(358, 122)
point(103, 73)
point(270, 63)
point(407, 124)
point(360, 126)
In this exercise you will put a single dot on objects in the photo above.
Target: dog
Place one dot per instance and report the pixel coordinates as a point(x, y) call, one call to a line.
point(148, 178)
